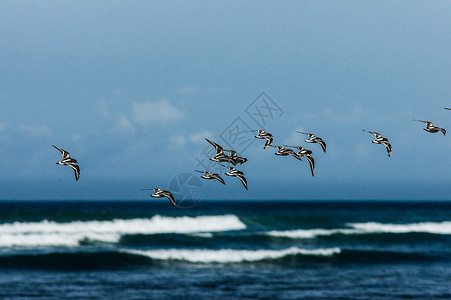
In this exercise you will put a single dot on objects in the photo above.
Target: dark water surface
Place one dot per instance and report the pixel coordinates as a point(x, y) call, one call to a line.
point(249, 249)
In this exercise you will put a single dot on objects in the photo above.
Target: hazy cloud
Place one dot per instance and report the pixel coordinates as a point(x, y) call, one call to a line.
point(178, 140)
point(199, 137)
point(156, 112)
point(123, 124)
point(195, 138)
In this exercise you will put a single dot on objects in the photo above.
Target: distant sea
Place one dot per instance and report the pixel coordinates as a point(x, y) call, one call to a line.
point(225, 250)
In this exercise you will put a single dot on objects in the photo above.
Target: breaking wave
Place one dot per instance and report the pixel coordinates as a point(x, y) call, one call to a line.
point(229, 255)
point(71, 234)
point(367, 228)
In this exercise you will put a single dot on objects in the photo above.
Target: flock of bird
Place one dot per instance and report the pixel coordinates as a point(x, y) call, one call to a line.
point(233, 158)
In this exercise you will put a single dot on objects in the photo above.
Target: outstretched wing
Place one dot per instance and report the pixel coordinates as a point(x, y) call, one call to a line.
point(64, 153)
point(388, 147)
point(312, 164)
point(322, 143)
point(304, 133)
point(376, 134)
point(242, 179)
point(218, 148)
point(76, 169)
point(169, 195)
point(219, 178)
point(295, 155)
point(443, 130)
point(372, 132)
point(447, 108)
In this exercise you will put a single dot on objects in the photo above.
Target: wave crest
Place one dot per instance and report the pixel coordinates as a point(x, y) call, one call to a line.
point(229, 255)
point(71, 234)
point(367, 228)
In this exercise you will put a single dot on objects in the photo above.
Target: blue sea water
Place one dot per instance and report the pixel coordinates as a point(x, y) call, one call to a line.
point(240, 249)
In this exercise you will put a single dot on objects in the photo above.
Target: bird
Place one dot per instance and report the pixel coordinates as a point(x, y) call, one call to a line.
point(281, 151)
point(264, 135)
point(220, 156)
point(307, 154)
point(236, 173)
point(431, 128)
point(380, 140)
point(68, 161)
point(314, 139)
point(210, 175)
point(447, 108)
point(235, 159)
point(159, 193)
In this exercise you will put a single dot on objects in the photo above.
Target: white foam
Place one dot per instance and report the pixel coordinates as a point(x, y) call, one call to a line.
point(307, 233)
point(365, 228)
point(48, 233)
point(427, 227)
point(229, 255)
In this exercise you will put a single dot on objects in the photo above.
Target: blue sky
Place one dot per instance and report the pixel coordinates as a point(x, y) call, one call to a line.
point(132, 88)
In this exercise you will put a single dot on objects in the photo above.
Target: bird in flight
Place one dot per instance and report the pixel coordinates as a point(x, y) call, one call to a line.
point(307, 154)
point(314, 139)
point(220, 156)
point(236, 173)
point(68, 161)
point(264, 135)
point(380, 140)
point(235, 159)
point(159, 193)
point(210, 175)
point(431, 128)
point(281, 151)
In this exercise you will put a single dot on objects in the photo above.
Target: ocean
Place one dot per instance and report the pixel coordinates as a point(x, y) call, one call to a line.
point(225, 249)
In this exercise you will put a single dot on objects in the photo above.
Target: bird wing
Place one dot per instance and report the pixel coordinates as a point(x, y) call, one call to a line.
point(322, 143)
point(218, 148)
point(64, 153)
point(312, 164)
point(372, 132)
point(76, 169)
point(295, 155)
point(443, 130)
point(168, 195)
point(269, 140)
point(304, 133)
point(388, 146)
point(447, 108)
point(219, 178)
point(421, 121)
point(242, 179)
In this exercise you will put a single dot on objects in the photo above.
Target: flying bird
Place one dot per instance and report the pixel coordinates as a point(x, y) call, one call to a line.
point(68, 161)
point(314, 139)
point(307, 154)
point(264, 135)
point(447, 108)
point(236, 173)
point(220, 156)
point(159, 193)
point(210, 175)
point(235, 159)
point(431, 128)
point(380, 140)
point(281, 151)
